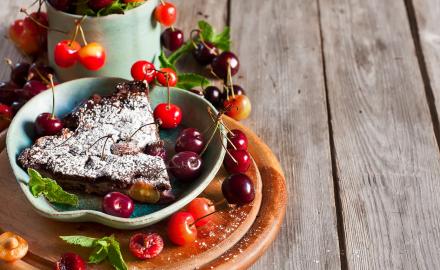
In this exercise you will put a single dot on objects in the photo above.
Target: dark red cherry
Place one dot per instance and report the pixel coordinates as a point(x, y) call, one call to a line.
point(238, 139)
point(240, 164)
point(205, 53)
point(19, 73)
point(118, 204)
point(34, 87)
point(16, 105)
point(7, 93)
point(238, 90)
point(62, 5)
point(190, 139)
point(238, 189)
point(186, 166)
point(214, 96)
point(172, 39)
point(96, 5)
point(47, 125)
point(38, 70)
point(221, 63)
point(70, 261)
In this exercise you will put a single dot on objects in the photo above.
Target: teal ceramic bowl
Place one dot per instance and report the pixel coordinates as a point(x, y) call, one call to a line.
point(126, 38)
point(68, 96)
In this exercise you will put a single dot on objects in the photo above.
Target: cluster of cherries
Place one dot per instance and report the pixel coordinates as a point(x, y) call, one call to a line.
point(224, 65)
point(26, 81)
point(30, 34)
point(68, 52)
point(237, 189)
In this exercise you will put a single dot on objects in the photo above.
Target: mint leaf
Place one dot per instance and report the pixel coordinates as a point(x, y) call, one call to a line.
point(186, 48)
point(99, 254)
point(191, 80)
point(223, 40)
point(165, 62)
point(79, 240)
point(115, 255)
point(114, 8)
point(104, 248)
point(83, 9)
point(47, 187)
point(132, 5)
point(206, 31)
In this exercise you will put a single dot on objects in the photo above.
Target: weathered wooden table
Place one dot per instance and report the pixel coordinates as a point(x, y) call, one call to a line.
point(346, 92)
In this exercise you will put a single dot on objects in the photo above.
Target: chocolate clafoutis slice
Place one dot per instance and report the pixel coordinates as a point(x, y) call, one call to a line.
point(103, 148)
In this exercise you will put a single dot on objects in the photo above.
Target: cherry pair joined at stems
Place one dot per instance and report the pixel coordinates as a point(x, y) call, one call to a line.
point(68, 52)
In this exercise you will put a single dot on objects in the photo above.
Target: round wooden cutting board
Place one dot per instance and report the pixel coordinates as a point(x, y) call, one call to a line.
point(233, 240)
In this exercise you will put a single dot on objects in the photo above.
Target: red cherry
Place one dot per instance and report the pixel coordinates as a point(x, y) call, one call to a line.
point(70, 261)
point(118, 204)
point(238, 139)
point(34, 87)
point(66, 53)
point(96, 5)
point(37, 28)
point(146, 246)
point(172, 39)
point(92, 56)
point(238, 189)
point(241, 163)
point(5, 116)
point(47, 125)
point(166, 14)
point(167, 77)
point(238, 107)
point(169, 114)
point(181, 229)
point(223, 62)
point(143, 70)
point(25, 40)
point(200, 208)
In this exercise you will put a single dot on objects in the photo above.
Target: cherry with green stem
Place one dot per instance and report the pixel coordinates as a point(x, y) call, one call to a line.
point(47, 124)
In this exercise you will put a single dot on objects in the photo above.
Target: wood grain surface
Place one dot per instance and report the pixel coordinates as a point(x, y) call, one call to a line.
point(281, 70)
point(387, 158)
point(363, 179)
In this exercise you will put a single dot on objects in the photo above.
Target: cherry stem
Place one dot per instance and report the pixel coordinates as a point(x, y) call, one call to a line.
point(40, 24)
point(9, 63)
point(103, 137)
point(33, 4)
point(74, 35)
point(137, 130)
point(52, 86)
point(215, 75)
point(162, 2)
point(42, 77)
point(227, 150)
point(82, 35)
point(191, 37)
point(210, 139)
point(103, 147)
point(230, 82)
point(168, 89)
point(205, 216)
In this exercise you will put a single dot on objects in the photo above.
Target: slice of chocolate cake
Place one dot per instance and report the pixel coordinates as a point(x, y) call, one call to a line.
point(104, 147)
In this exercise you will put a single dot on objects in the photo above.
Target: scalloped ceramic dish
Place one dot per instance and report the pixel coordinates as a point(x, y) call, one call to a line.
point(68, 95)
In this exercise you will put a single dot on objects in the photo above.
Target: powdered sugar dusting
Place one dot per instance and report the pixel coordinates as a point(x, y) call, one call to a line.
point(88, 151)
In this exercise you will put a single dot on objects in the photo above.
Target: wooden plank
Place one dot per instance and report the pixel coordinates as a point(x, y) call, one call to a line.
point(281, 70)
point(386, 154)
point(425, 20)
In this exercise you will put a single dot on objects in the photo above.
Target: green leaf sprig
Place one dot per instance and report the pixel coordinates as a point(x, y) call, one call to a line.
point(39, 185)
point(105, 248)
point(206, 34)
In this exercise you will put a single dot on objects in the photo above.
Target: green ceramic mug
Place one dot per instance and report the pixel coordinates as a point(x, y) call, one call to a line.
point(126, 38)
